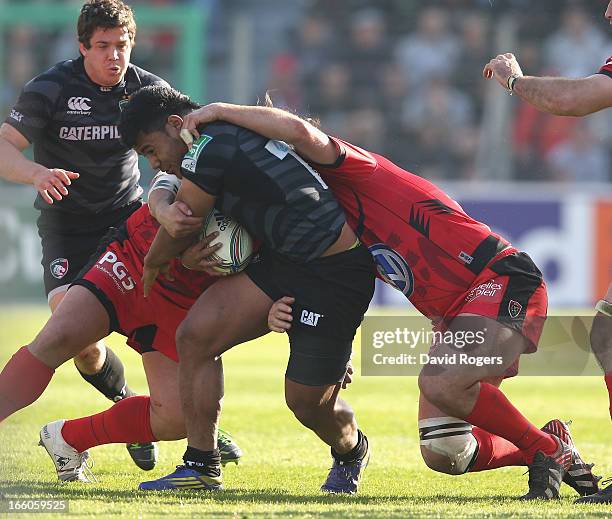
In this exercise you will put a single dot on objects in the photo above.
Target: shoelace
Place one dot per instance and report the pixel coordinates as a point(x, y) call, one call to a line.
point(606, 481)
point(85, 467)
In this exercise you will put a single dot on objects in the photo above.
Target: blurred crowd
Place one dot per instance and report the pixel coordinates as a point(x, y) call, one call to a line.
point(400, 77)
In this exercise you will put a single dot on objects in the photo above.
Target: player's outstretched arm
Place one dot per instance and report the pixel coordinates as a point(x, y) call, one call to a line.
point(274, 123)
point(15, 167)
point(558, 96)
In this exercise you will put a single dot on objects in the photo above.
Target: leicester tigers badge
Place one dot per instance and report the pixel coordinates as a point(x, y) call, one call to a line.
point(514, 308)
point(59, 268)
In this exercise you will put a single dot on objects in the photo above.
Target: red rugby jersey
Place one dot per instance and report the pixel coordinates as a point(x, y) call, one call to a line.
point(423, 243)
point(187, 286)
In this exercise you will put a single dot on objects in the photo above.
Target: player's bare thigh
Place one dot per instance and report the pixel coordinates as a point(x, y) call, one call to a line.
point(455, 386)
point(167, 422)
point(91, 358)
point(232, 311)
point(79, 320)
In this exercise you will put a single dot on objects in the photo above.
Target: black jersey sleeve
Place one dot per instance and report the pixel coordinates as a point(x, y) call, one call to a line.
point(36, 104)
point(145, 78)
point(210, 157)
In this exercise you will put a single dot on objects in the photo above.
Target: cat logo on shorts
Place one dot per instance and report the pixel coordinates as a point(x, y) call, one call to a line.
point(59, 268)
point(514, 308)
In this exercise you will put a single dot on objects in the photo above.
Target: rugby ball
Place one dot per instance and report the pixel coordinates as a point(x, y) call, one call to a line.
point(236, 248)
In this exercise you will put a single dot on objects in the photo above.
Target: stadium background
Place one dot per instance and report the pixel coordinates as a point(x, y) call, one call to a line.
point(400, 77)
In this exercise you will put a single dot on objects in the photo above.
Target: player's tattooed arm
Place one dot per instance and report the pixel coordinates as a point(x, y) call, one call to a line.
point(15, 167)
point(309, 141)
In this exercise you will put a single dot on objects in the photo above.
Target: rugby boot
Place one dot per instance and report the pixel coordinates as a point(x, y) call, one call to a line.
point(603, 497)
point(70, 465)
point(547, 472)
point(344, 478)
point(144, 455)
point(580, 474)
point(228, 449)
point(184, 478)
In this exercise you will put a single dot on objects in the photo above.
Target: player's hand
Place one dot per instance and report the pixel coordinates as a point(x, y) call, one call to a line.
point(177, 219)
point(151, 272)
point(203, 115)
point(348, 376)
point(279, 317)
point(51, 183)
point(501, 68)
point(197, 256)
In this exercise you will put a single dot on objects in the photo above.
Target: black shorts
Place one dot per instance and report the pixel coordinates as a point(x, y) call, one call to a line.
point(331, 295)
point(68, 241)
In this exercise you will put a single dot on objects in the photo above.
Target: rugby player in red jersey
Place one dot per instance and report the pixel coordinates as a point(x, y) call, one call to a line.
point(427, 247)
point(106, 297)
point(570, 97)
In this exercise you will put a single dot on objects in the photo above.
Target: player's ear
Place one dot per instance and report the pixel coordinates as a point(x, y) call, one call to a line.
point(176, 121)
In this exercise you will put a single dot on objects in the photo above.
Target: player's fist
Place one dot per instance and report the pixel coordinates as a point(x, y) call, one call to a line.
point(501, 68)
point(51, 183)
point(279, 317)
point(177, 219)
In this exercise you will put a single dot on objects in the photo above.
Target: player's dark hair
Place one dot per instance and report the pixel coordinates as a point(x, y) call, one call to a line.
point(104, 14)
point(148, 110)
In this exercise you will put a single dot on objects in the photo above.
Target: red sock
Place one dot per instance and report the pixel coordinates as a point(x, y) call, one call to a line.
point(608, 379)
point(128, 421)
point(22, 381)
point(494, 413)
point(494, 452)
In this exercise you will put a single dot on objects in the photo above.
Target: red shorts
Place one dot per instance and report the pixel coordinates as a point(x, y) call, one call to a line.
point(149, 324)
point(511, 291)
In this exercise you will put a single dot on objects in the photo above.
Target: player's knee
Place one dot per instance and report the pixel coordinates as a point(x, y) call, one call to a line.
point(447, 444)
point(307, 411)
point(190, 343)
point(92, 355)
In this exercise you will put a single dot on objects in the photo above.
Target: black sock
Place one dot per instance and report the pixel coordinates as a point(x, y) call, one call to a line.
point(110, 380)
point(207, 463)
point(357, 453)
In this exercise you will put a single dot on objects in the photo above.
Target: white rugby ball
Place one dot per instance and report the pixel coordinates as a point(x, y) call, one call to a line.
point(236, 248)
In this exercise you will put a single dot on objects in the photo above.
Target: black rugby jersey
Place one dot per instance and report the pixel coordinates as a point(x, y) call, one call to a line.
point(266, 187)
point(72, 123)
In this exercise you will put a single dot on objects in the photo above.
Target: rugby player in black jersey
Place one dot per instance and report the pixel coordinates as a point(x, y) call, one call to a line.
point(69, 114)
point(308, 252)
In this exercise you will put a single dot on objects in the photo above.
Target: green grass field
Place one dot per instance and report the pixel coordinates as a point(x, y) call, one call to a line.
point(285, 464)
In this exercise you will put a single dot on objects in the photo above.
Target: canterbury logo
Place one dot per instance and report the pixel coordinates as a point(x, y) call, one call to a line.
point(79, 104)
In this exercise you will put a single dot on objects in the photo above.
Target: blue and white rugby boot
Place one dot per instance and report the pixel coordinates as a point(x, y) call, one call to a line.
point(184, 478)
point(344, 478)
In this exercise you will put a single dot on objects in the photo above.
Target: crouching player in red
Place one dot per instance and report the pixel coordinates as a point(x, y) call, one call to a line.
point(427, 247)
point(106, 297)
